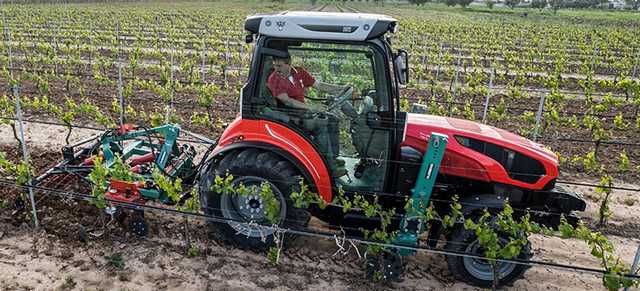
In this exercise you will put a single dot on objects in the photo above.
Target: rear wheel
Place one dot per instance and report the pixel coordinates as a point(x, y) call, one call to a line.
point(479, 272)
point(246, 215)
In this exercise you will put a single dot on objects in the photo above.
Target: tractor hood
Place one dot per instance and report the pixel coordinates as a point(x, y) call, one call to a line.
point(493, 151)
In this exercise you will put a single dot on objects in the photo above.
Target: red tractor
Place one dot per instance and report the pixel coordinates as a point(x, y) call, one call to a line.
point(347, 132)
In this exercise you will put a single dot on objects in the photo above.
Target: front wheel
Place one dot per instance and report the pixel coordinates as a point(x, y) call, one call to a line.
point(479, 272)
point(248, 214)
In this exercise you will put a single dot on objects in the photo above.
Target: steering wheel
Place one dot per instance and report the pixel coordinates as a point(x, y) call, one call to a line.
point(341, 99)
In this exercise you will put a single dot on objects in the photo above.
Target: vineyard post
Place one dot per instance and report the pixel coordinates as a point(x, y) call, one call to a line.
point(16, 94)
point(486, 100)
point(170, 107)
point(538, 117)
point(634, 265)
point(203, 59)
point(120, 94)
point(438, 66)
point(455, 77)
point(55, 50)
point(25, 153)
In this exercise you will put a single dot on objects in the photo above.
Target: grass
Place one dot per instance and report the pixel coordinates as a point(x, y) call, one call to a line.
point(629, 201)
point(115, 260)
point(68, 283)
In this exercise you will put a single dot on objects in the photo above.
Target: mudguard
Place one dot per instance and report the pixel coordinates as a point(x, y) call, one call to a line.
point(282, 141)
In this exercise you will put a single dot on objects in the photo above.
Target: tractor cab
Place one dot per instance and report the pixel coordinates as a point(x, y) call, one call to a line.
point(350, 52)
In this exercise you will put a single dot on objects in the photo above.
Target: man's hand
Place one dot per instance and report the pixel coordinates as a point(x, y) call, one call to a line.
point(355, 94)
point(317, 108)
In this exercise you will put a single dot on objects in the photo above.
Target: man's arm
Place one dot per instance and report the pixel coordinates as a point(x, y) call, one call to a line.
point(290, 102)
point(329, 88)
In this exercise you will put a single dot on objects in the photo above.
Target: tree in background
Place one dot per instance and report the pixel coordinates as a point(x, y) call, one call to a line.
point(539, 4)
point(555, 5)
point(489, 3)
point(451, 2)
point(418, 2)
point(635, 4)
point(512, 3)
point(464, 3)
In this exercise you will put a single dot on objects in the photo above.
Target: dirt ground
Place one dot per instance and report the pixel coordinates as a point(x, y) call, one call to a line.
point(53, 257)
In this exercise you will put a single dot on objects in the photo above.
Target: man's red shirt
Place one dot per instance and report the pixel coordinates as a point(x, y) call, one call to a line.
point(294, 86)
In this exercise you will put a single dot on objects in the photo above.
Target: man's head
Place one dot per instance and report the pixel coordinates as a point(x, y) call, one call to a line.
point(282, 65)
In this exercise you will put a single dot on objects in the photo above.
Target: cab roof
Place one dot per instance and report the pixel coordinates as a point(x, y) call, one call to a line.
point(321, 25)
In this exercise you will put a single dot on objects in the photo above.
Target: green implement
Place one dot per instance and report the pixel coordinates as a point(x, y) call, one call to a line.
point(412, 224)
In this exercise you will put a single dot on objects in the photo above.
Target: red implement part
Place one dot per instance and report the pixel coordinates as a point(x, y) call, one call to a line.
point(125, 128)
point(148, 158)
point(124, 191)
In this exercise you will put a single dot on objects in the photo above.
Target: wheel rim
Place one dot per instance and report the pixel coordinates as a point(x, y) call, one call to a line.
point(242, 210)
point(481, 268)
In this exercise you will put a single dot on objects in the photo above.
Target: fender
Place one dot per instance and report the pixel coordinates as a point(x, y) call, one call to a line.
point(480, 202)
point(282, 141)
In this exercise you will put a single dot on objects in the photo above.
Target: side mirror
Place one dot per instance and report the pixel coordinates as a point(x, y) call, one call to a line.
point(401, 66)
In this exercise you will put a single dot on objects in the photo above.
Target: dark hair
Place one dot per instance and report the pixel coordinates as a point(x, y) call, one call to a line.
point(285, 59)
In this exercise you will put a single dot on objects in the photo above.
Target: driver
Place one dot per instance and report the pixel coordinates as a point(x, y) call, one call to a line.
point(288, 85)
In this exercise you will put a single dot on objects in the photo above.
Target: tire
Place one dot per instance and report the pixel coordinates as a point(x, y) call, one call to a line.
point(251, 167)
point(478, 272)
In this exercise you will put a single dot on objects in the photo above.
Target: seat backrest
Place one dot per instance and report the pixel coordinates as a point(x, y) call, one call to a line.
point(264, 92)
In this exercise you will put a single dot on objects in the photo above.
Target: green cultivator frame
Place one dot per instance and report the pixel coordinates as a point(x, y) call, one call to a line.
point(137, 151)
point(390, 263)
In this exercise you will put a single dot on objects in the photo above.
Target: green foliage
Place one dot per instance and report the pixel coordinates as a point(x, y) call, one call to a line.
point(21, 172)
point(615, 277)
point(489, 4)
point(201, 119)
point(538, 4)
point(207, 94)
point(273, 256)
point(468, 112)
point(115, 260)
point(172, 188)
point(68, 284)
point(499, 112)
point(619, 122)
point(193, 251)
point(512, 3)
point(604, 189)
point(270, 201)
point(303, 197)
point(223, 185)
point(591, 164)
point(272, 205)
point(120, 171)
point(98, 178)
point(489, 225)
point(455, 215)
point(404, 105)
point(193, 203)
point(624, 163)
